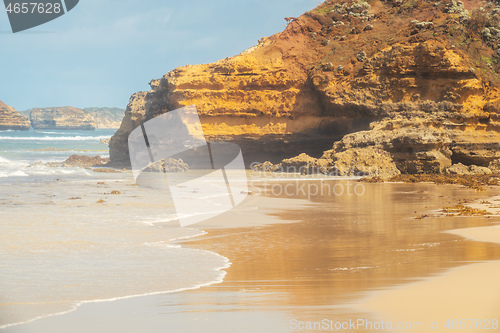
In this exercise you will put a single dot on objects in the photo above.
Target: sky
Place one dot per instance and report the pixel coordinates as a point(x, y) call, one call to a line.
point(102, 51)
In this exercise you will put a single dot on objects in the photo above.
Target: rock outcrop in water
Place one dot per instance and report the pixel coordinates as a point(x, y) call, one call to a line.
point(10, 119)
point(402, 86)
point(63, 118)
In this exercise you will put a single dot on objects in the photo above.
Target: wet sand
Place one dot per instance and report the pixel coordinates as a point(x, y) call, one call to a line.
point(333, 252)
point(465, 298)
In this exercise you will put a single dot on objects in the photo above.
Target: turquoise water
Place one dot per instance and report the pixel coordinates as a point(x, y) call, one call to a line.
point(20, 149)
point(27, 145)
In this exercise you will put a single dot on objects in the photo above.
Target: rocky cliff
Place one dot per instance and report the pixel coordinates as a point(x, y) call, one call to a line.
point(10, 119)
point(106, 117)
point(64, 118)
point(409, 84)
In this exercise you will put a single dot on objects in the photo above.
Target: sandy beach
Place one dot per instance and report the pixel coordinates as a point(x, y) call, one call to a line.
point(250, 166)
point(465, 298)
point(324, 261)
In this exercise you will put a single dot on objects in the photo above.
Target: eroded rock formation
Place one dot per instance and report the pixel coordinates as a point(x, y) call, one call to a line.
point(408, 87)
point(64, 118)
point(106, 117)
point(10, 119)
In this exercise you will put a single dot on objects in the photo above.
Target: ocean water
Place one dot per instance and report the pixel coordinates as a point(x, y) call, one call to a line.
point(65, 239)
point(19, 149)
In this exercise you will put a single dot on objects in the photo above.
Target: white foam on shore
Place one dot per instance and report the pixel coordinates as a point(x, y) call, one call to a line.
point(352, 268)
point(18, 173)
point(9, 163)
point(56, 138)
point(75, 305)
point(175, 217)
point(188, 237)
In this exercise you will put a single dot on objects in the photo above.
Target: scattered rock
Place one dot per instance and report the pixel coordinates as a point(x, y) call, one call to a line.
point(461, 169)
point(106, 170)
point(361, 56)
point(100, 201)
point(265, 167)
point(305, 164)
point(167, 165)
point(422, 25)
point(84, 161)
point(494, 166)
point(412, 149)
point(302, 164)
point(355, 31)
point(458, 169)
point(328, 66)
point(368, 161)
point(116, 192)
point(479, 170)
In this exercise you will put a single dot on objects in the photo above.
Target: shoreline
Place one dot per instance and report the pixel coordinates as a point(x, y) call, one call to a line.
point(211, 228)
point(214, 223)
point(211, 224)
point(77, 304)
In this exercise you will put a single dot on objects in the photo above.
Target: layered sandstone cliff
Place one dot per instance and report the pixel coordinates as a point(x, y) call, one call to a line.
point(10, 119)
point(63, 118)
point(106, 117)
point(412, 85)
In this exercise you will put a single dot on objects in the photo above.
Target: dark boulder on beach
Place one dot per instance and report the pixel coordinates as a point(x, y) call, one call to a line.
point(167, 165)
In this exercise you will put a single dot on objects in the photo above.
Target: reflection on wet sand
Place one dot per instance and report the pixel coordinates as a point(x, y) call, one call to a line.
point(343, 247)
point(347, 258)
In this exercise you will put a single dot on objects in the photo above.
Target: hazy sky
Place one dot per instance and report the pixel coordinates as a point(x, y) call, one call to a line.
point(102, 51)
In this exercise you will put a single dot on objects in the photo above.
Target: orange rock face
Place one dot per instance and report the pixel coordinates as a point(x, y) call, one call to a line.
point(10, 119)
point(345, 67)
